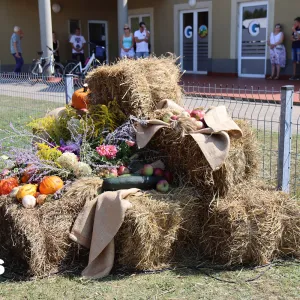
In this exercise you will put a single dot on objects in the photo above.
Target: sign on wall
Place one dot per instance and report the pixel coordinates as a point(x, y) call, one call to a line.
point(188, 32)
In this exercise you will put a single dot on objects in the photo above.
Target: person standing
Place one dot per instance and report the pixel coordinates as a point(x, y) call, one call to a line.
point(78, 42)
point(142, 37)
point(127, 43)
point(55, 47)
point(277, 51)
point(16, 49)
point(295, 47)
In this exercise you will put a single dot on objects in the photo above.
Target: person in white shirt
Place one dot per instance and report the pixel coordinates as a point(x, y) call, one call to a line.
point(142, 37)
point(78, 42)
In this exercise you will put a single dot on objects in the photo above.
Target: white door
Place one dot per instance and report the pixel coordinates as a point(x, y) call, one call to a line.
point(98, 35)
point(252, 45)
point(194, 41)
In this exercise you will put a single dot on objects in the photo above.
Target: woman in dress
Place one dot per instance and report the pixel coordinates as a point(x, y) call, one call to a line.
point(277, 51)
point(55, 47)
point(127, 41)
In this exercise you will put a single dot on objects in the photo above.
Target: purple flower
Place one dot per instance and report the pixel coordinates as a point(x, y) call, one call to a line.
point(69, 147)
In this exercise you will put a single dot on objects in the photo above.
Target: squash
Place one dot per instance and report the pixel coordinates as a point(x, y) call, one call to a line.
point(27, 189)
point(50, 185)
point(7, 185)
point(41, 199)
point(80, 99)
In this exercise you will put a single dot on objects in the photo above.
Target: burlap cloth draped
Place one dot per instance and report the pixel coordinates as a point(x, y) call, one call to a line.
point(96, 226)
point(213, 141)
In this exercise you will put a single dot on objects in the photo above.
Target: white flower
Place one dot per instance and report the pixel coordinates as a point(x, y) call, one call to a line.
point(82, 170)
point(68, 161)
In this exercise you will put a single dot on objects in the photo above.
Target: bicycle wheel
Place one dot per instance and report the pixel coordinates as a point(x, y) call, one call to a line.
point(53, 74)
point(33, 72)
point(96, 63)
point(72, 69)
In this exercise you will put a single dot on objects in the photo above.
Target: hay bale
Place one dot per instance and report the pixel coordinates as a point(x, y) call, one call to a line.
point(246, 227)
point(185, 160)
point(138, 85)
point(40, 237)
point(156, 228)
point(290, 242)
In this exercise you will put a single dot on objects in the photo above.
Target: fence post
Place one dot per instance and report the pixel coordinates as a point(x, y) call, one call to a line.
point(69, 87)
point(285, 138)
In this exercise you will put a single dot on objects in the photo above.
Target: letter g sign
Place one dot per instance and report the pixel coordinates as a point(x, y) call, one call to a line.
point(2, 270)
point(188, 32)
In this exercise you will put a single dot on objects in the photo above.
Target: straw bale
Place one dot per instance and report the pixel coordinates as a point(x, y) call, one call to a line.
point(290, 243)
point(155, 228)
point(40, 237)
point(184, 158)
point(138, 85)
point(247, 226)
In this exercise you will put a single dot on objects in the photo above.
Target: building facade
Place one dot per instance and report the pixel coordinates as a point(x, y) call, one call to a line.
point(212, 36)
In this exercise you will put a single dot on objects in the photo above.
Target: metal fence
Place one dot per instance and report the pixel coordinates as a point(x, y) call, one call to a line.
point(23, 97)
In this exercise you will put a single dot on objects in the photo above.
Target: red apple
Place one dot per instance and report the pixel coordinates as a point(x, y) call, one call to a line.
point(198, 114)
point(168, 176)
point(148, 170)
point(162, 186)
point(158, 172)
point(123, 170)
point(130, 143)
point(113, 173)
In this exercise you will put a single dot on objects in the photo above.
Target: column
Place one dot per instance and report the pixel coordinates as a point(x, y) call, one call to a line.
point(45, 26)
point(122, 17)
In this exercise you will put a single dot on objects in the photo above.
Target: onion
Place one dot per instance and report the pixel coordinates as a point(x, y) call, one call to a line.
point(29, 201)
point(185, 114)
point(199, 125)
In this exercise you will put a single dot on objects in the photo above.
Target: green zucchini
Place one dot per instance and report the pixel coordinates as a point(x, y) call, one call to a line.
point(128, 182)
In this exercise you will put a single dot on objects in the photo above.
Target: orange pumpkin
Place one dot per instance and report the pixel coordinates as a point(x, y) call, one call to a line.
point(80, 99)
point(50, 185)
point(7, 185)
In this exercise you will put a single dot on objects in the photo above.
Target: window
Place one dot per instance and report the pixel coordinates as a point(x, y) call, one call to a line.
point(73, 24)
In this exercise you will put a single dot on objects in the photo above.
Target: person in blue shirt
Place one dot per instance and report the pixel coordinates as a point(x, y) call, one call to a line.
point(127, 42)
point(16, 49)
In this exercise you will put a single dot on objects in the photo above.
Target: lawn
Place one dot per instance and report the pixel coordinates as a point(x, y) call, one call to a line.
point(277, 282)
point(20, 110)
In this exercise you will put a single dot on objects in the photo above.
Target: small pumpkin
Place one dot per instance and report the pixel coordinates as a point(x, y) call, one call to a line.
point(80, 99)
point(27, 189)
point(7, 185)
point(41, 199)
point(50, 185)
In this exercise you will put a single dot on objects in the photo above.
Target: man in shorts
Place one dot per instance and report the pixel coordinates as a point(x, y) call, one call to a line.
point(78, 41)
point(296, 47)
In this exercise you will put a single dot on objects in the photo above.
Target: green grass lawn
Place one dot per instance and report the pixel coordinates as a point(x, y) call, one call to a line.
point(20, 110)
point(278, 282)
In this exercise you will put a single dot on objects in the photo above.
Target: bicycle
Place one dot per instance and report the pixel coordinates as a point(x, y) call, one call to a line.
point(40, 69)
point(79, 71)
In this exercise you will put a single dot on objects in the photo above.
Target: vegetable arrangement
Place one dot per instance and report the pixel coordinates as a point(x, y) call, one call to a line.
point(100, 142)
